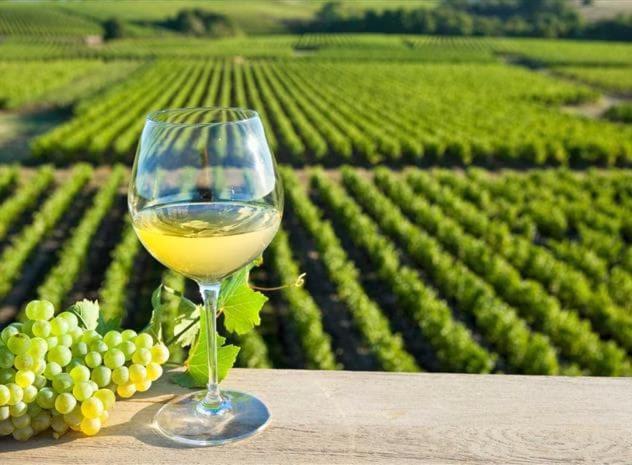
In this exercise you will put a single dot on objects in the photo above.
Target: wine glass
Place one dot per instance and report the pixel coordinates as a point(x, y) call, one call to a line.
point(205, 200)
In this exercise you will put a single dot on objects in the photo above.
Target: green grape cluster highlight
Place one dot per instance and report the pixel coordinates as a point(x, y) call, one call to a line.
point(57, 374)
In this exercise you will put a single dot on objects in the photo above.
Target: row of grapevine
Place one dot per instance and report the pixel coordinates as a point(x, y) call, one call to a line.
point(25, 241)
point(43, 21)
point(523, 350)
point(46, 78)
point(303, 311)
point(473, 293)
point(321, 111)
point(534, 261)
point(454, 345)
point(73, 253)
point(23, 197)
point(113, 295)
point(560, 206)
point(387, 346)
point(572, 336)
point(579, 253)
point(8, 175)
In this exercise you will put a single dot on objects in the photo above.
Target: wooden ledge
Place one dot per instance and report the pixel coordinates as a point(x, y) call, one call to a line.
point(352, 417)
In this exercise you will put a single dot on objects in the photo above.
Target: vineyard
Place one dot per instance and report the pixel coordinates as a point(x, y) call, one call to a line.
point(456, 204)
point(418, 270)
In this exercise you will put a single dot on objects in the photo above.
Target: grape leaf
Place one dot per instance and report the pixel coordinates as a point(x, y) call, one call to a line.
point(240, 303)
point(186, 323)
point(103, 326)
point(186, 327)
point(197, 370)
point(154, 327)
point(87, 312)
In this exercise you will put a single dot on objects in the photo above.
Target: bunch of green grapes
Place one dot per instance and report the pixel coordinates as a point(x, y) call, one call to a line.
point(56, 374)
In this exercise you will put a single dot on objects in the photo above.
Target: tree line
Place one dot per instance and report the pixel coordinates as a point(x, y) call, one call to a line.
point(530, 18)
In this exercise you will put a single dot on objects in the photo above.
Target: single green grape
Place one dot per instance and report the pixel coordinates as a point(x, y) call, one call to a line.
point(38, 347)
point(5, 395)
point(58, 423)
point(9, 331)
point(7, 375)
point(143, 386)
point(159, 354)
point(128, 348)
point(80, 373)
point(41, 421)
point(73, 419)
point(126, 390)
point(22, 421)
point(154, 371)
point(101, 376)
point(128, 334)
point(137, 373)
point(16, 393)
point(65, 403)
point(59, 354)
point(142, 356)
point(18, 409)
point(52, 369)
point(80, 349)
point(23, 434)
point(98, 346)
point(24, 378)
point(92, 407)
point(58, 326)
point(113, 338)
point(76, 334)
point(120, 375)
point(6, 427)
point(30, 392)
point(89, 336)
point(6, 357)
point(83, 390)
point(90, 426)
point(93, 359)
point(19, 343)
point(40, 366)
point(70, 318)
point(62, 383)
point(4, 412)
point(33, 408)
point(65, 340)
point(144, 340)
point(114, 358)
point(107, 397)
point(52, 341)
point(41, 328)
point(40, 381)
point(46, 398)
point(39, 310)
point(24, 362)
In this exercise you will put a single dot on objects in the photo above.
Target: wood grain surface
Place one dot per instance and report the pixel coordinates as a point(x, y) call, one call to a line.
point(356, 417)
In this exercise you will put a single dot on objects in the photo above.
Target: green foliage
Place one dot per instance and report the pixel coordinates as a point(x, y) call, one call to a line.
point(621, 112)
point(60, 279)
point(199, 22)
point(22, 244)
point(114, 28)
point(239, 304)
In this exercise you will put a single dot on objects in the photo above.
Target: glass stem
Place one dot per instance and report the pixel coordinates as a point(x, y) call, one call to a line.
point(213, 401)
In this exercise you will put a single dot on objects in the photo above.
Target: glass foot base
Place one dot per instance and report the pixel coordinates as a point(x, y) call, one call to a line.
point(182, 420)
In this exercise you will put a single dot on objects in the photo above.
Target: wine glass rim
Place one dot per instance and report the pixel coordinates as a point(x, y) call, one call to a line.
point(248, 115)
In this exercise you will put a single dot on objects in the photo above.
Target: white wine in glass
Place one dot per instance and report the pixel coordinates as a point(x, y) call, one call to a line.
point(206, 200)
